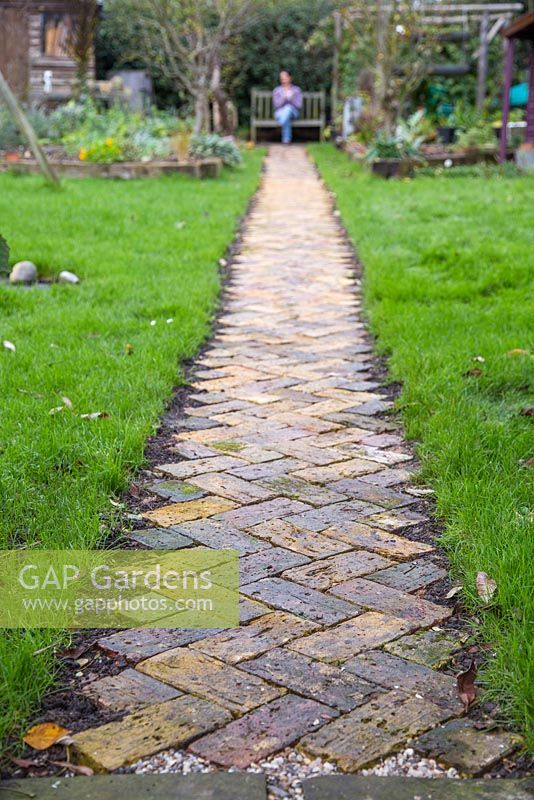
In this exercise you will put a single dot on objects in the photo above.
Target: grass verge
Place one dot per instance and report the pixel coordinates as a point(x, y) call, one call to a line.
point(448, 277)
point(147, 253)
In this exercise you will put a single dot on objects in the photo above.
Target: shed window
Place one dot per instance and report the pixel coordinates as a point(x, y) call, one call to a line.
point(55, 34)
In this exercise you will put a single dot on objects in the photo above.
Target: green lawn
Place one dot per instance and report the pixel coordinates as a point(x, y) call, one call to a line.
point(146, 251)
point(448, 276)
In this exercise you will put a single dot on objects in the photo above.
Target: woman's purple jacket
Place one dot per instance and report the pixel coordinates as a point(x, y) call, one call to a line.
point(280, 100)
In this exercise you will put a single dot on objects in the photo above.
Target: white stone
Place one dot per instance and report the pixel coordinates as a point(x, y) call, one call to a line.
point(68, 277)
point(23, 272)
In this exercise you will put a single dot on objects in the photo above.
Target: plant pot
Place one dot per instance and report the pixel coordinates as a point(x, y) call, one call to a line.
point(392, 167)
point(524, 158)
point(446, 134)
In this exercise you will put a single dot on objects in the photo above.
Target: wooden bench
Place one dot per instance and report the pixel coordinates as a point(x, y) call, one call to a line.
point(312, 113)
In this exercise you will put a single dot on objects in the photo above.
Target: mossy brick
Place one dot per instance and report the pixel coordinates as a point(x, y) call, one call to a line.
point(145, 732)
point(207, 677)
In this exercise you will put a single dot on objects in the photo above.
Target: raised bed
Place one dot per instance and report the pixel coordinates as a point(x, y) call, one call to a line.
point(126, 170)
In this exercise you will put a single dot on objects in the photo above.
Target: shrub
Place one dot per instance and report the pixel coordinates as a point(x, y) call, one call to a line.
point(480, 135)
point(205, 146)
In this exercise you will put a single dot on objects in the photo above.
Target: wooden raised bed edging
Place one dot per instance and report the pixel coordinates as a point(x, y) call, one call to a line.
point(125, 170)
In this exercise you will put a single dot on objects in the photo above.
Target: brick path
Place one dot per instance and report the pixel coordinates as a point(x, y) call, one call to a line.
point(293, 463)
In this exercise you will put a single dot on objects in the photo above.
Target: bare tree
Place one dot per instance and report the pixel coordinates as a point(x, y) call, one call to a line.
point(393, 40)
point(183, 39)
point(84, 18)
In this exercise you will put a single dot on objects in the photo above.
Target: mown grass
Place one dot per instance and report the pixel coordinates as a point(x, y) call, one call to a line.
point(146, 252)
point(448, 277)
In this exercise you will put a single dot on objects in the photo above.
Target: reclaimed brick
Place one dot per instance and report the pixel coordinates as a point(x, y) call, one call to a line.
point(328, 572)
point(268, 563)
point(373, 730)
point(177, 491)
point(160, 539)
point(284, 534)
point(391, 476)
point(397, 520)
point(184, 512)
point(386, 544)
point(463, 745)
point(319, 519)
point(432, 648)
point(322, 682)
point(392, 672)
point(410, 576)
point(390, 601)
point(224, 485)
point(247, 516)
point(207, 677)
point(300, 600)
point(137, 644)
point(344, 469)
point(349, 638)
point(254, 472)
point(128, 690)
point(220, 536)
point(298, 489)
point(249, 641)
point(187, 469)
point(148, 731)
point(372, 494)
point(264, 731)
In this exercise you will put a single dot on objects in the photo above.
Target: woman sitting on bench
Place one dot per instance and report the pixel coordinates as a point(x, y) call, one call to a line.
point(287, 102)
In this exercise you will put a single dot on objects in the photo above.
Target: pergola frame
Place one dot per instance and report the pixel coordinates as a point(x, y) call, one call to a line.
point(491, 17)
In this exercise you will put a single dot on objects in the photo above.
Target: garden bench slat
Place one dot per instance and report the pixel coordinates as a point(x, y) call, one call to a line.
point(262, 112)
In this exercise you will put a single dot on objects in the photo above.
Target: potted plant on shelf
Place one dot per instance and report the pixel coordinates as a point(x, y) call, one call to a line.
point(447, 129)
point(395, 156)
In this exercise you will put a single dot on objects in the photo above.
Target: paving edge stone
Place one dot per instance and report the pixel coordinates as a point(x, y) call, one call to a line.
point(212, 786)
point(355, 787)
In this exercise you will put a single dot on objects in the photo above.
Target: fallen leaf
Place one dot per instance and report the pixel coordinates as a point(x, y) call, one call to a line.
point(96, 415)
point(78, 769)
point(23, 763)
point(528, 462)
point(82, 662)
point(223, 262)
point(9, 346)
point(465, 682)
point(528, 411)
point(454, 591)
point(44, 735)
point(517, 351)
point(486, 587)
point(480, 359)
point(35, 395)
point(476, 372)
point(66, 401)
point(179, 225)
point(129, 349)
point(56, 410)
point(74, 652)
point(135, 491)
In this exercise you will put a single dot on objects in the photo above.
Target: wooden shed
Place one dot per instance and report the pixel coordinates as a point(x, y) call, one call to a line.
point(33, 49)
point(521, 29)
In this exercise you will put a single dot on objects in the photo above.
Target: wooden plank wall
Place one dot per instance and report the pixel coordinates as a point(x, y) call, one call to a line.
point(14, 44)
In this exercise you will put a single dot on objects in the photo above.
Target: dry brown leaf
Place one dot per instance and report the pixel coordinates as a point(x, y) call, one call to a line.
point(528, 411)
point(78, 769)
point(476, 372)
point(466, 685)
point(96, 415)
point(517, 351)
point(44, 735)
point(454, 591)
point(486, 586)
